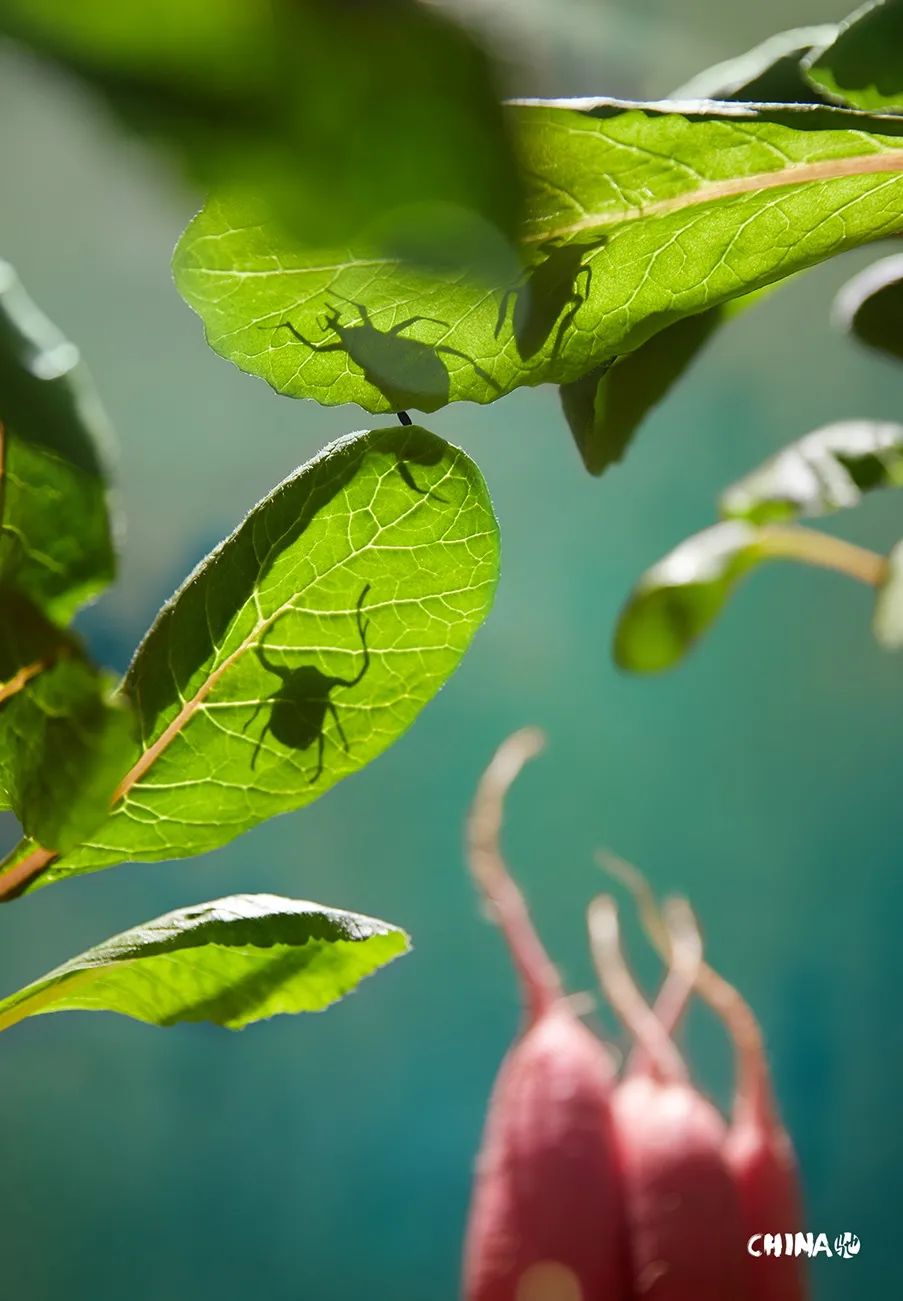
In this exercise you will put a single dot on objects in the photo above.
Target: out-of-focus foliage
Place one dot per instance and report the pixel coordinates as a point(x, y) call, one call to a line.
point(55, 535)
point(375, 120)
point(769, 73)
point(63, 740)
point(863, 65)
point(826, 471)
point(678, 599)
point(870, 306)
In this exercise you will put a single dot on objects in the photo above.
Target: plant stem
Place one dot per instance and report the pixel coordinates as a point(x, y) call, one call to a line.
point(814, 548)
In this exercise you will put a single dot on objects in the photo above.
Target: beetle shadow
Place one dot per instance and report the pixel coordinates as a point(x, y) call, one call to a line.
point(302, 702)
point(407, 372)
point(549, 293)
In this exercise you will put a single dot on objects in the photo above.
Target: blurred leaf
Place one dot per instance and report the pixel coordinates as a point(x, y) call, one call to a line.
point(55, 542)
point(871, 306)
point(637, 218)
point(232, 962)
point(887, 623)
point(828, 470)
point(347, 118)
point(63, 743)
point(605, 408)
point(769, 73)
point(678, 599)
point(299, 649)
point(863, 65)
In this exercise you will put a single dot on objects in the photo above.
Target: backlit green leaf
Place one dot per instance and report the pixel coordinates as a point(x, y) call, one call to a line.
point(871, 306)
point(299, 650)
point(637, 217)
point(55, 543)
point(232, 961)
point(769, 73)
point(63, 742)
point(863, 65)
point(342, 117)
point(828, 470)
point(677, 600)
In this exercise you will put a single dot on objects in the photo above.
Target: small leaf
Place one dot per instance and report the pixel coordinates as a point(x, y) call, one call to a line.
point(828, 470)
point(678, 599)
point(344, 118)
point(232, 962)
point(63, 741)
point(863, 65)
point(605, 408)
point(887, 621)
point(55, 540)
point(870, 306)
point(769, 73)
point(637, 217)
point(301, 648)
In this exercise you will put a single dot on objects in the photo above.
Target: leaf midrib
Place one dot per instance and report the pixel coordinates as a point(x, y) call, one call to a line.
point(826, 169)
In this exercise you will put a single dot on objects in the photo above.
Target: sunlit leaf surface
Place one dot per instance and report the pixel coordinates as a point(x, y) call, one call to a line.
point(637, 217)
point(232, 962)
point(299, 649)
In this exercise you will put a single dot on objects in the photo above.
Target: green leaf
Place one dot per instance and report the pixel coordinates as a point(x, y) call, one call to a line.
point(637, 217)
point(887, 622)
point(863, 65)
point(870, 306)
point(63, 741)
point(300, 649)
point(828, 470)
point(605, 408)
point(678, 599)
point(233, 961)
point(344, 117)
point(769, 73)
point(55, 540)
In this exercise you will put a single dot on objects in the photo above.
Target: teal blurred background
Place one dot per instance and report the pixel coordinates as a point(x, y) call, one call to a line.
point(329, 1157)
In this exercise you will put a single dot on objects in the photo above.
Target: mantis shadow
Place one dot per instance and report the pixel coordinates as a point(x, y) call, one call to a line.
point(300, 704)
point(407, 372)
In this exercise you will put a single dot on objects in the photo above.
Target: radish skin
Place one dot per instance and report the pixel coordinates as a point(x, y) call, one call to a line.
point(546, 1219)
point(684, 1222)
point(758, 1150)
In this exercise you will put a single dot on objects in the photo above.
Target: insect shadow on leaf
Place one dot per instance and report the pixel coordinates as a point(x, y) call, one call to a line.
point(408, 372)
point(299, 705)
point(544, 292)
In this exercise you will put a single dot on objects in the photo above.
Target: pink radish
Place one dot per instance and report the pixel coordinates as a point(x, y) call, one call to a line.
point(758, 1150)
point(684, 1223)
point(545, 1221)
